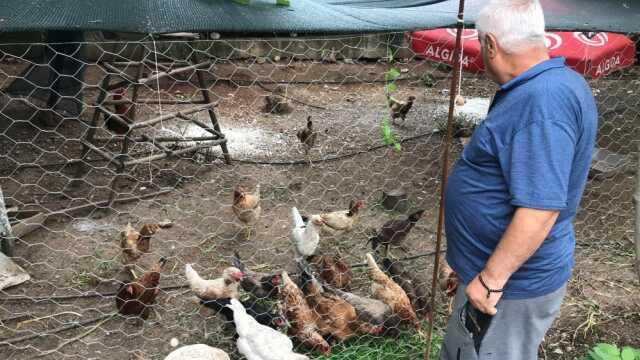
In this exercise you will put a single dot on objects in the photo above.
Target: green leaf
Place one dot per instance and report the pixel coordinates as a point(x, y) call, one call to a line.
point(606, 352)
point(391, 87)
point(283, 2)
point(392, 74)
point(387, 135)
point(397, 146)
point(628, 353)
point(242, 2)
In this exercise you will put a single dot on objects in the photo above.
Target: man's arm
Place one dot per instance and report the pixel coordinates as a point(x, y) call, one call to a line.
point(524, 235)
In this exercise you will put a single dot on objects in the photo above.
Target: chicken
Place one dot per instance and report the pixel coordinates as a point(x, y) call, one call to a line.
point(399, 109)
point(341, 221)
point(386, 290)
point(136, 243)
point(332, 270)
point(276, 102)
point(372, 311)
point(395, 231)
point(448, 278)
point(304, 323)
point(223, 287)
point(261, 313)
point(197, 352)
point(260, 285)
point(415, 289)
point(339, 317)
point(120, 109)
point(307, 136)
point(259, 342)
point(135, 298)
point(247, 207)
point(305, 237)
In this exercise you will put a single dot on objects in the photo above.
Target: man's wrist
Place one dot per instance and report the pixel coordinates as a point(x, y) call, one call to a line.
point(494, 279)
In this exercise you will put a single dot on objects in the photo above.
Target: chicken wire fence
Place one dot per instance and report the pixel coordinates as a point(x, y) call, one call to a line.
point(159, 133)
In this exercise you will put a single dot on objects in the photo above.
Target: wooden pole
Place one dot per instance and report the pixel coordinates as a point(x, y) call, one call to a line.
point(445, 172)
point(636, 198)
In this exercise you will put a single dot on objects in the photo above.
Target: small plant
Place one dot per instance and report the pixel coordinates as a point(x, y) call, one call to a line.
point(605, 351)
point(389, 138)
point(428, 80)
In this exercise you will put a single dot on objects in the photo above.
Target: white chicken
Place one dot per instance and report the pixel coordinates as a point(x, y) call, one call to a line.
point(197, 352)
point(260, 342)
point(305, 237)
point(223, 287)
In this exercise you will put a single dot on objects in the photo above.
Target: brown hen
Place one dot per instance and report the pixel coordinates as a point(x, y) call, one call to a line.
point(135, 298)
point(387, 291)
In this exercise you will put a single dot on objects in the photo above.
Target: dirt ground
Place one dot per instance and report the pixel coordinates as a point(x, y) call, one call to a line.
point(73, 255)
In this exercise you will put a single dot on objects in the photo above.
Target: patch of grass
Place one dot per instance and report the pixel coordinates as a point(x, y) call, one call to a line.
point(407, 346)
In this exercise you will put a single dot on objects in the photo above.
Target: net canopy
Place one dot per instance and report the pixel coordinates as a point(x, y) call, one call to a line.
point(302, 16)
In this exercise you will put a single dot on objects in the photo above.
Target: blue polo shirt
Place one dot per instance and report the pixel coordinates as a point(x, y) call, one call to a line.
point(533, 150)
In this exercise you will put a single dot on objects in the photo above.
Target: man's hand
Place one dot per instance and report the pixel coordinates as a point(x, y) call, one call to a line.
point(477, 294)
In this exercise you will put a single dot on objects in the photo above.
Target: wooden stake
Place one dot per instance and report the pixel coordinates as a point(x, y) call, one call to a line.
point(444, 173)
point(636, 198)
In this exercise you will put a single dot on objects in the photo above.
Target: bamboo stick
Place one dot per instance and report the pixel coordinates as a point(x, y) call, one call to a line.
point(174, 153)
point(154, 101)
point(176, 71)
point(169, 116)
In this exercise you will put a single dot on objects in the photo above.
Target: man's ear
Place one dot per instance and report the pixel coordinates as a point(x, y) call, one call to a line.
point(491, 45)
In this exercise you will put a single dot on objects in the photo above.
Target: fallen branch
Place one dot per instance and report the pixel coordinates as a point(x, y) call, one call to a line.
point(22, 323)
point(54, 331)
point(79, 296)
point(84, 334)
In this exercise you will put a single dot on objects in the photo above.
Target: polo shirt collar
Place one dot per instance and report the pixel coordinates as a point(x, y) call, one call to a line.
point(534, 71)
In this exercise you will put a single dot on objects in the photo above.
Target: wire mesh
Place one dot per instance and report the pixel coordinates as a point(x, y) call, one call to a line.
point(72, 149)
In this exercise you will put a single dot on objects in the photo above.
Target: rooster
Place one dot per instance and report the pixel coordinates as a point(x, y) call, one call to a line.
point(307, 136)
point(304, 322)
point(247, 207)
point(386, 290)
point(399, 109)
point(135, 298)
point(260, 342)
point(223, 287)
point(260, 285)
point(395, 231)
point(136, 243)
point(305, 237)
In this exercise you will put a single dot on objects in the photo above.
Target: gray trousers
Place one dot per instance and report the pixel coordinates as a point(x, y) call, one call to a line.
point(514, 333)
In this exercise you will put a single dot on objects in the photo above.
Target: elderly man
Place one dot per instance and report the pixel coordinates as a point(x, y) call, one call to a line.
point(513, 194)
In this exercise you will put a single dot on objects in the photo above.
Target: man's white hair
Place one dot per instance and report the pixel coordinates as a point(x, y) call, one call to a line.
point(516, 24)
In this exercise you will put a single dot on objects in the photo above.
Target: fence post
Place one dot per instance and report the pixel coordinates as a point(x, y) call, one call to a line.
point(6, 237)
point(636, 198)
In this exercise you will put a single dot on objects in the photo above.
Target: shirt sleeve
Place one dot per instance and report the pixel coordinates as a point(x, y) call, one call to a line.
point(537, 164)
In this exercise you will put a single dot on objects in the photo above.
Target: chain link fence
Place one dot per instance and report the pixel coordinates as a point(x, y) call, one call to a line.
point(98, 135)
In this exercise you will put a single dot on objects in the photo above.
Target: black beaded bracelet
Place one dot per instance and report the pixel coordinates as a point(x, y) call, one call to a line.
point(489, 290)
